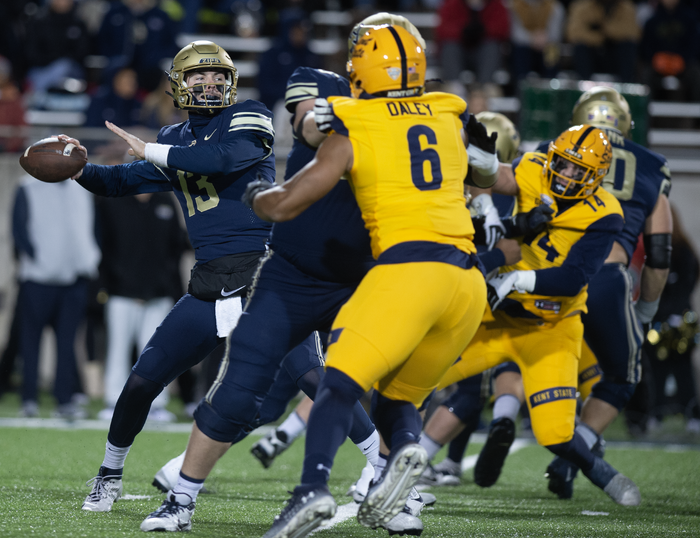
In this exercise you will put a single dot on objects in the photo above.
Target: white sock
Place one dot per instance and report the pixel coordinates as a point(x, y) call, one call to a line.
point(370, 448)
point(114, 456)
point(506, 405)
point(293, 426)
point(585, 431)
point(186, 491)
point(430, 445)
point(382, 460)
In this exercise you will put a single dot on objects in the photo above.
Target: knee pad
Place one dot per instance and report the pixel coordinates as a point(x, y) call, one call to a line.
point(228, 415)
point(615, 393)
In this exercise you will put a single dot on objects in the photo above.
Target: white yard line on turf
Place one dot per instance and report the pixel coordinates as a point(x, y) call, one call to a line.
point(63, 424)
point(344, 512)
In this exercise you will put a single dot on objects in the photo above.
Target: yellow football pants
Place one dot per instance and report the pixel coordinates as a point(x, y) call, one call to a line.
point(405, 325)
point(548, 357)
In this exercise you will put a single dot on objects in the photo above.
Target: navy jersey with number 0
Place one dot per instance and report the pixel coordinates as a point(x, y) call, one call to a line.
point(329, 240)
point(209, 165)
point(637, 178)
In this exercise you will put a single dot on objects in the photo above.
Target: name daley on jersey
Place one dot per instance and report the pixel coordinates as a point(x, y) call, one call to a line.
point(398, 108)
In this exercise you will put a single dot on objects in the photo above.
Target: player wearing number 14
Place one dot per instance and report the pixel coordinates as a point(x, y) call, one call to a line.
point(207, 162)
point(418, 307)
point(536, 304)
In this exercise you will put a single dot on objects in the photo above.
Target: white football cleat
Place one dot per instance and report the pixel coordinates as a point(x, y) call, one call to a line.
point(171, 516)
point(106, 490)
point(388, 496)
point(167, 476)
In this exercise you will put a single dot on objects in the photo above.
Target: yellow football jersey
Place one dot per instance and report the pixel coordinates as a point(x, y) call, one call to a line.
point(551, 247)
point(409, 168)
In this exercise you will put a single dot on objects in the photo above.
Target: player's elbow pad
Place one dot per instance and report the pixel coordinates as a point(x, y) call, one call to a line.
point(658, 251)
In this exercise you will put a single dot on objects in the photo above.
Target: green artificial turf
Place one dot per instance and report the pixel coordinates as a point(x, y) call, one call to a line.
point(43, 474)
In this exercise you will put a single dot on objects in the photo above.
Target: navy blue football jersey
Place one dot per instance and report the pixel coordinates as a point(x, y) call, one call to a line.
point(329, 240)
point(637, 178)
point(209, 165)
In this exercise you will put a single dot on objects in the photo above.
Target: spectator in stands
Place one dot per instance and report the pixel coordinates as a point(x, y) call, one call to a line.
point(469, 36)
point(56, 43)
point(11, 107)
point(289, 51)
point(116, 100)
point(537, 28)
point(605, 36)
point(140, 34)
point(670, 48)
point(53, 229)
point(142, 243)
point(671, 344)
point(158, 109)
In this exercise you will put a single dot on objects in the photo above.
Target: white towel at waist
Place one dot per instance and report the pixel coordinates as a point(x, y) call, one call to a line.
point(228, 312)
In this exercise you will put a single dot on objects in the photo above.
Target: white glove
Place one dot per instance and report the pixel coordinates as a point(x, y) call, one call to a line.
point(493, 227)
point(500, 286)
point(484, 162)
point(323, 114)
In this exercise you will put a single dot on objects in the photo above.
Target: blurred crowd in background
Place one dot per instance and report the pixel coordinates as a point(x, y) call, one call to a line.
point(106, 59)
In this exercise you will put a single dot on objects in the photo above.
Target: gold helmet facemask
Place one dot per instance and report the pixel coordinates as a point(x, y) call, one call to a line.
point(605, 108)
point(387, 61)
point(203, 56)
point(508, 140)
point(577, 162)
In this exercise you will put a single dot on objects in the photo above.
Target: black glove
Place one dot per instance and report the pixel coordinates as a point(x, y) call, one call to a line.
point(532, 222)
point(476, 131)
point(252, 190)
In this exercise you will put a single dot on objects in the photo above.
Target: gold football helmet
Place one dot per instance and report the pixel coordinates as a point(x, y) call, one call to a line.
point(605, 108)
point(204, 56)
point(577, 162)
point(387, 61)
point(383, 19)
point(508, 140)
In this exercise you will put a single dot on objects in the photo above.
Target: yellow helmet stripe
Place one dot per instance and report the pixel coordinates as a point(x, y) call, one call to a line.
point(404, 63)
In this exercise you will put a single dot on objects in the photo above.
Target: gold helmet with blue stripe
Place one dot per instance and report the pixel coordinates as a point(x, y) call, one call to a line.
point(508, 140)
point(387, 61)
point(383, 19)
point(603, 107)
point(202, 56)
point(577, 162)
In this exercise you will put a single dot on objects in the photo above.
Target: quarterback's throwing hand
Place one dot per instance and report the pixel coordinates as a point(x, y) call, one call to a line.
point(323, 114)
point(253, 189)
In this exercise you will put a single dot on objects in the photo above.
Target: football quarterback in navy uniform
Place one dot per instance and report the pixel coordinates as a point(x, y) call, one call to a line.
point(640, 179)
point(312, 267)
point(207, 162)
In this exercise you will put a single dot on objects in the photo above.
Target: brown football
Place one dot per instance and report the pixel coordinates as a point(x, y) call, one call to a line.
point(52, 160)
